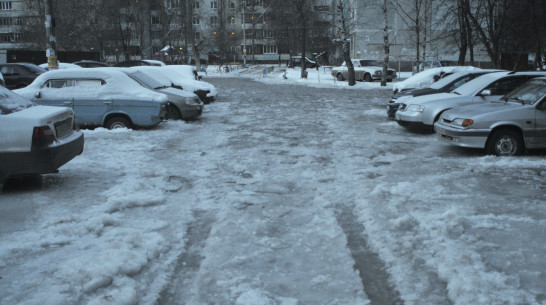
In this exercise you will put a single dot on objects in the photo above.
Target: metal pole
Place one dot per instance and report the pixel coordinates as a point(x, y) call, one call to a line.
point(51, 51)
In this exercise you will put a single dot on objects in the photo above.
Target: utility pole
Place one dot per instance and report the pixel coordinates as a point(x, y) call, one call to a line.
point(51, 52)
point(244, 34)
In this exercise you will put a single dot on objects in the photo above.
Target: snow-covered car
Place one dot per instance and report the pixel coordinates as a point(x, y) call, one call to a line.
point(365, 70)
point(35, 139)
point(445, 84)
point(99, 97)
point(178, 77)
point(420, 113)
point(61, 65)
point(505, 127)
point(182, 105)
point(426, 78)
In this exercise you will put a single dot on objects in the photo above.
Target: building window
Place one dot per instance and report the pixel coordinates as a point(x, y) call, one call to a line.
point(11, 37)
point(269, 34)
point(231, 19)
point(195, 20)
point(155, 20)
point(214, 4)
point(5, 5)
point(197, 36)
point(270, 49)
point(195, 4)
point(214, 20)
point(232, 5)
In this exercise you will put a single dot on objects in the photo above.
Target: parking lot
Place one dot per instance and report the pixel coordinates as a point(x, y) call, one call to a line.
point(278, 194)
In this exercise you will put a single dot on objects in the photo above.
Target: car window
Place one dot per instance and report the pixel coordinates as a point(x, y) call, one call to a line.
point(505, 85)
point(11, 102)
point(365, 63)
point(529, 93)
point(83, 83)
point(7, 70)
point(90, 83)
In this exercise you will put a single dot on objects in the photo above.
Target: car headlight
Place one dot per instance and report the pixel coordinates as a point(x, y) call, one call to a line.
point(378, 72)
point(416, 108)
point(462, 122)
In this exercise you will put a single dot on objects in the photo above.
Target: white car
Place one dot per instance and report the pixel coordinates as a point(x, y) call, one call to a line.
point(366, 70)
point(35, 139)
point(428, 77)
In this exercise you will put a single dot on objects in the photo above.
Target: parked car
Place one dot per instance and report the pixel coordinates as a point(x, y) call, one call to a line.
point(91, 64)
point(366, 70)
point(182, 105)
point(179, 78)
point(35, 139)
point(134, 63)
point(426, 78)
point(420, 113)
point(446, 84)
point(99, 97)
point(295, 61)
point(19, 75)
point(504, 128)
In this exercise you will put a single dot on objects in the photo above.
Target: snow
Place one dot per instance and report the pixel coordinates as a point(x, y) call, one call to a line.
point(118, 85)
point(451, 227)
point(62, 65)
point(12, 102)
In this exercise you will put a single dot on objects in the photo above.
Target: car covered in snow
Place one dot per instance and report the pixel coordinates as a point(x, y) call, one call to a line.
point(506, 127)
point(99, 97)
point(35, 139)
point(365, 70)
point(182, 77)
point(445, 84)
point(420, 113)
point(182, 105)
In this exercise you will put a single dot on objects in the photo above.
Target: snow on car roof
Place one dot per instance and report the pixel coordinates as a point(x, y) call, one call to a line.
point(118, 84)
point(426, 78)
point(175, 75)
point(12, 102)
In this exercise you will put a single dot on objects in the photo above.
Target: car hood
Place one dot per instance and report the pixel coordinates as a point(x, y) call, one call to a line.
point(429, 98)
point(475, 110)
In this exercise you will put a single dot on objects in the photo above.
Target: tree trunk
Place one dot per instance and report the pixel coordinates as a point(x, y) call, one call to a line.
point(386, 44)
point(146, 43)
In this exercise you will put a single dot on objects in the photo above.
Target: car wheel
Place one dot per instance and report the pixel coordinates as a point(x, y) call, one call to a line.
point(118, 122)
point(505, 142)
point(340, 77)
point(367, 78)
point(173, 113)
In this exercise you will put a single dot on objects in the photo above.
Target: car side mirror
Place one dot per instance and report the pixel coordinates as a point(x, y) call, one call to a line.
point(486, 92)
point(37, 94)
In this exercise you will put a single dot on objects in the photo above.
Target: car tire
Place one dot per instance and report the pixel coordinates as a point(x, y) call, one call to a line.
point(340, 77)
point(367, 78)
point(118, 122)
point(173, 113)
point(505, 142)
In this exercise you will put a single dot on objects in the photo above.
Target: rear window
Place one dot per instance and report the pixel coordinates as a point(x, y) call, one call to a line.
point(11, 102)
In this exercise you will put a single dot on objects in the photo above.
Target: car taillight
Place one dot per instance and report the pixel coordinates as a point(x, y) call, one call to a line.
point(42, 135)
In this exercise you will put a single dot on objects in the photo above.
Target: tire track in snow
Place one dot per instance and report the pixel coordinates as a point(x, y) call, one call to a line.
point(189, 262)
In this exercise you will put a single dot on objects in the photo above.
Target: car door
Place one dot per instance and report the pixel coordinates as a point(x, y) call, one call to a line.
point(89, 106)
point(539, 138)
point(50, 94)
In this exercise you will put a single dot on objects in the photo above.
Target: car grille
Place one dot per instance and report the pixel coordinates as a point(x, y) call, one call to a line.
point(63, 128)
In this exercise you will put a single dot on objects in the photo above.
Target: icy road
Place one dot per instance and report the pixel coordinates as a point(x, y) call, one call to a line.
point(278, 195)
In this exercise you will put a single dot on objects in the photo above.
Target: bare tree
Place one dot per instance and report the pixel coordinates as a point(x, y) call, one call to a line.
point(386, 44)
point(344, 18)
point(411, 13)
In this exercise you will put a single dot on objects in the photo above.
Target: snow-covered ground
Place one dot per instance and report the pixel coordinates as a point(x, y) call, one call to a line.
point(259, 202)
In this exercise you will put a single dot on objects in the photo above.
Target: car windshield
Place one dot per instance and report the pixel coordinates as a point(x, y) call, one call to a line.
point(367, 63)
point(478, 83)
point(147, 80)
point(529, 93)
point(11, 102)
